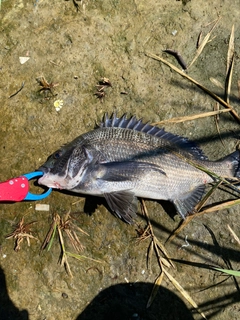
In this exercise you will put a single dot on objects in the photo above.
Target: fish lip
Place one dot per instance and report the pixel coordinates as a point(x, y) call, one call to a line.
point(52, 184)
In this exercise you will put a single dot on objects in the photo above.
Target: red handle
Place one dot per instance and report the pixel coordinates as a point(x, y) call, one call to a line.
point(14, 189)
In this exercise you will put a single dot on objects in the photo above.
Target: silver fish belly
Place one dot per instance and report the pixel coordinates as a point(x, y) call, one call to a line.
point(125, 158)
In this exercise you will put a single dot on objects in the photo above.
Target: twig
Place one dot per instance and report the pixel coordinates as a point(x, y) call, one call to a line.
point(192, 117)
point(14, 94)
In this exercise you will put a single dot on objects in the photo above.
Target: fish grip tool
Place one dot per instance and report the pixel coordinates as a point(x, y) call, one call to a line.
point(17, 189)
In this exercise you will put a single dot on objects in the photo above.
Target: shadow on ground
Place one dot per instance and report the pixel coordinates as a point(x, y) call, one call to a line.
point(8, 311)
point(120, 301)
point(129, 300)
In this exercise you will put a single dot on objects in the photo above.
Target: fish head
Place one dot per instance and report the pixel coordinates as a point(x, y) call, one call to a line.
point(66, 167)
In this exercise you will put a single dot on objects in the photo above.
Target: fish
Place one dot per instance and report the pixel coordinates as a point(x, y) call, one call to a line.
point(124, 158)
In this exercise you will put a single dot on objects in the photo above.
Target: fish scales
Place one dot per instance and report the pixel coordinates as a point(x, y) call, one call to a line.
point(125, 158)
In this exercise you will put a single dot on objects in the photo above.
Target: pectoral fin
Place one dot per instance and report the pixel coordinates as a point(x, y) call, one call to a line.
point(123, 204)
point(128, 170)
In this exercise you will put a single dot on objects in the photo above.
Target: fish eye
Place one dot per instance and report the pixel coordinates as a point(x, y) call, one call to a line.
point(57, 155)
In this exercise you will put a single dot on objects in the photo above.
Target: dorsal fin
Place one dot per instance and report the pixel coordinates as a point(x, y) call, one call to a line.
point(133, 123)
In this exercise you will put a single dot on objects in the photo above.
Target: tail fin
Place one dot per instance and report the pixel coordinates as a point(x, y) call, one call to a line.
point(237, 160)
point(234, 159)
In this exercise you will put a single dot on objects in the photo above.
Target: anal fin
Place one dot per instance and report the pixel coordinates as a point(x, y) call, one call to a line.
point(186, 203)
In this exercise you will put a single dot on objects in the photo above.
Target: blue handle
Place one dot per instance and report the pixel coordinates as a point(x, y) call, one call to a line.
point(31, 196)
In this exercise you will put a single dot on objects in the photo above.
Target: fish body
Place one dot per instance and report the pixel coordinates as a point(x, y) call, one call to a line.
point(125, 158)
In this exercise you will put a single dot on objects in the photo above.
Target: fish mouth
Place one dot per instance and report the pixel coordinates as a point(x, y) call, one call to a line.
point(48, 181)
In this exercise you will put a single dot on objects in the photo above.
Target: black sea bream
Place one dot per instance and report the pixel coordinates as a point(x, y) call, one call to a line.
point(125, 158)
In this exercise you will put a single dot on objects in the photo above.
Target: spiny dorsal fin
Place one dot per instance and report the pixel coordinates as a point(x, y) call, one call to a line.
point(133, 123)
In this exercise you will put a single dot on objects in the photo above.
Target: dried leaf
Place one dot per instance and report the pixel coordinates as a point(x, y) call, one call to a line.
point(222, 206)
point(216, 118)
point(162, 248)
point(216, 82)
point(230, 53)
point(149, 254)
point(203, 43)
point(230, 62)
point(81, 257)
point(183, 292)
point(229, 80)
point(234, 234)
point(167, 263)
point(155, 289)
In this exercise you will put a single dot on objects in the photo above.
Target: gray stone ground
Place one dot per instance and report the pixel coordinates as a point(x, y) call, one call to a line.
point(76, 49)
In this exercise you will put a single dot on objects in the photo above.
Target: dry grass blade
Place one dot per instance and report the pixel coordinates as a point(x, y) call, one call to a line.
point(61, 225)
point(230, 53)
point(81, 257)
point(21, 231)
point(211, 94)
point(238, 89)
point(74, 240)
point(63, 257)
point(222, 206)
point(156, 244)
point(155, 289)
point(216, 83)
point(143, 234)
point(218, 207)
point(192, 117)
point(162, 248)
point(234, 234)
point(66, 224)
point(221, 86)
point(203, 43)
point(229, 80)
point(149, 254)
point(166, 263)
point(183, 292)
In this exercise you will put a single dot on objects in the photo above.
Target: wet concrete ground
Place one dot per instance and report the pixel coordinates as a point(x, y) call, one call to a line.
point(75, 49)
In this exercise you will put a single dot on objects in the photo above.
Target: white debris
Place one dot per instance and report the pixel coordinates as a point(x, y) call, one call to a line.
point(42, 207)
point(23, 59)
